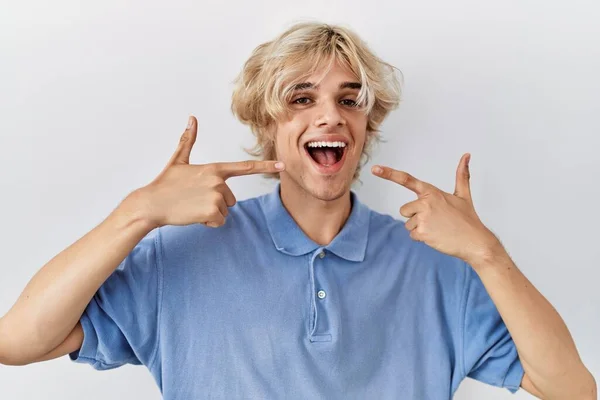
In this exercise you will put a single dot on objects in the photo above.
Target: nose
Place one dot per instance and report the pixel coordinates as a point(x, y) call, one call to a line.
point(328, 114)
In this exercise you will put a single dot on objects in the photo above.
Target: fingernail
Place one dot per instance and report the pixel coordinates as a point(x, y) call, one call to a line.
point(279, 165)
point(377, 170)
point(190, 122)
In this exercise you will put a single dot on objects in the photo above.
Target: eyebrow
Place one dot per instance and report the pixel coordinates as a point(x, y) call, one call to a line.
point(310, 85)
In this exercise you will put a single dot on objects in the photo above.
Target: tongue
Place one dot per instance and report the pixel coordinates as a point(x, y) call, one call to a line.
point(324, 156)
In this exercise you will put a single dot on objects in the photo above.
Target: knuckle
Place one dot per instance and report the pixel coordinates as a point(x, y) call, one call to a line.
point(219, 220)
point(247, 166)
point(214, 181)
point(467, 172)
point(221, 186)
point(405, 179)
point(214, 211)
point(214, 223)
point(216, 198)
point(230, 199)
point(439, 195)
point(425, 214)
point(430, 197)
point(208, 169)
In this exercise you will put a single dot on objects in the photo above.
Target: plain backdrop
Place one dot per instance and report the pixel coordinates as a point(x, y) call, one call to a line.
point(94, 97)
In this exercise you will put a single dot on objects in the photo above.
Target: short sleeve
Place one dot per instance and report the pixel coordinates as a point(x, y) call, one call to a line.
point(120, 322)
point(489, 353)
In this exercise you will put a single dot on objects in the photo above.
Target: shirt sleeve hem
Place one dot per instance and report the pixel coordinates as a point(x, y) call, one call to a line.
point(159, 294)
point(462, 319)
point(88, 350)
point(514, 376)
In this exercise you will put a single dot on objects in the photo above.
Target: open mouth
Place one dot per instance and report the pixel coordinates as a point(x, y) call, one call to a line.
point(326, 154)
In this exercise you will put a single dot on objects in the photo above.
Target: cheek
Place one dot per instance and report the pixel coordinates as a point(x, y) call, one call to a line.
point(360, 136)
point(367, 137)
point(283, 143)
point(288, 135)
point(357, 123)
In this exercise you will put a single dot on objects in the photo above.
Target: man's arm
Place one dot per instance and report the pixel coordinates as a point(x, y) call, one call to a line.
point(72, 343)
point(47, 312)
point(553, 368)
point(449, 223)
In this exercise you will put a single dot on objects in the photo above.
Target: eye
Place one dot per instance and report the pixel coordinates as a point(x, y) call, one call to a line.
point(301, 100)
point(349, 102)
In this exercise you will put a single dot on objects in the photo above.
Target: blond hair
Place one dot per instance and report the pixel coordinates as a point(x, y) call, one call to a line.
point(265, 85)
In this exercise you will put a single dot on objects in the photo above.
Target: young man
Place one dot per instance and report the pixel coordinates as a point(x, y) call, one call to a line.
point(303, 292)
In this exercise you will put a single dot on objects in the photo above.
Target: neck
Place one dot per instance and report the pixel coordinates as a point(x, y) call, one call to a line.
point(320, 220)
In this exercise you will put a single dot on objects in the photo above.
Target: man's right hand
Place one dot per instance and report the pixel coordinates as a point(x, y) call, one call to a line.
point(184, 194)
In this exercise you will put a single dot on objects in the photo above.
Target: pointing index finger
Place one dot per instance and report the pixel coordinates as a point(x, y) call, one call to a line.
point(402, 178)
point(249, 167)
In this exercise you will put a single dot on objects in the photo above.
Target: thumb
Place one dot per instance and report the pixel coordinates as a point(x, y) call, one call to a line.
point(186, 142)
point(463, 176)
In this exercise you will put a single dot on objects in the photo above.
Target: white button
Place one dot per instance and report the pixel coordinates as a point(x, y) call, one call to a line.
point(322, 254)
point(321, 294)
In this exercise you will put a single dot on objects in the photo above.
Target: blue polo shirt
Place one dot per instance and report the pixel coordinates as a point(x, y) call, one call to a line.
point(257, 310)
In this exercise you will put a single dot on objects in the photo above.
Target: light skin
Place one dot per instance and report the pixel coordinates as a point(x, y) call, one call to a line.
point(320, 204)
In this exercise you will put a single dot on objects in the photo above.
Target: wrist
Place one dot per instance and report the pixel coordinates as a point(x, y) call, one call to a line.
point(487, 253)
point(134, 210)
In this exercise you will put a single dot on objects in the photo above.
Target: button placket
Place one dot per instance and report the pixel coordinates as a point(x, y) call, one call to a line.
point(319, 295)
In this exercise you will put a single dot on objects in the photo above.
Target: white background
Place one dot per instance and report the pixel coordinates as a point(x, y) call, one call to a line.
point(94, 96)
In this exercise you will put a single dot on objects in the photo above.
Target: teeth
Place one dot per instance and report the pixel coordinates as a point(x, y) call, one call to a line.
point(326, 144)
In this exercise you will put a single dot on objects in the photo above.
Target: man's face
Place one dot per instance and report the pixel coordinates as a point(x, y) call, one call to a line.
point(322, 139)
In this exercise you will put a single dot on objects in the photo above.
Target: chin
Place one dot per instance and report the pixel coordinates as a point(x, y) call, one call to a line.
point(326, 187)
point(328, 191)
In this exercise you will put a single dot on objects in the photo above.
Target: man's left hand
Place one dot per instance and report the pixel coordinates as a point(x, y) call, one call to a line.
point(447, 222)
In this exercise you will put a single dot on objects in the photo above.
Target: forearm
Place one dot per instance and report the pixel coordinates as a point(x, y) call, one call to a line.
point(55, 298)
point(545, 346)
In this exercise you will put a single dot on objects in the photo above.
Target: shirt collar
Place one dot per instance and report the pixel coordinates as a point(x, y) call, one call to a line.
point(350, 243)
